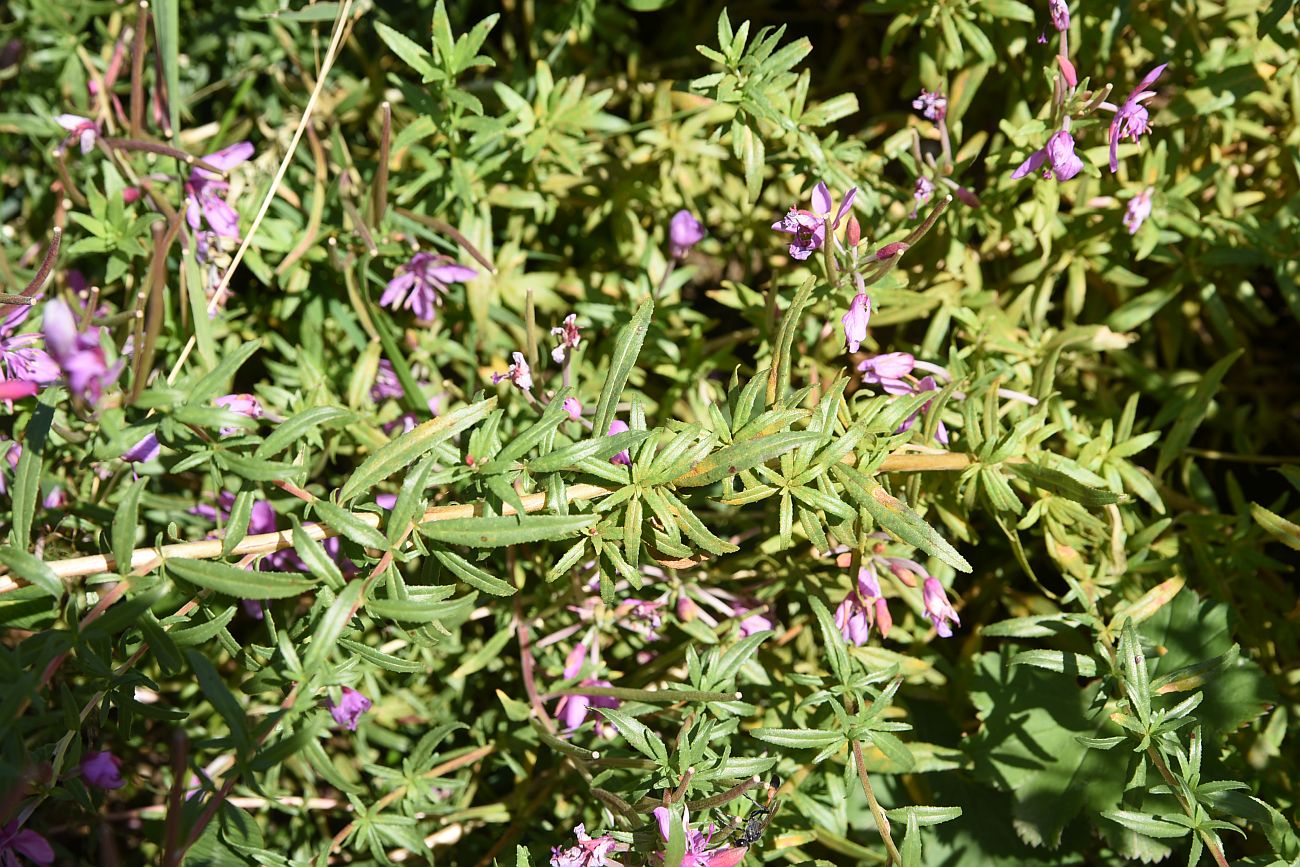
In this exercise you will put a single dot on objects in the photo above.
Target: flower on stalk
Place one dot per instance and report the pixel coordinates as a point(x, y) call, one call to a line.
point(32, 846)
point(20, 361)
point(421, 283)
point(240, 404)
point(855, 321)
point(624, 457)
point(684, 232)
point(81, 128)
point(888, 371)
point(204, 192)
point(573, 407)
point(1060, 13)
point(349, 709)
point(102, 769)
point(569, 336)
point(1131, 119)
point(519, 373)
point(932, 105)
point(697, 843)
point(78, 354)
point(1058, 153)
point(938, 608)
point(809, 227)
point(863, 608)
point(1139, 208)
point(589, 851)
point(144, 451)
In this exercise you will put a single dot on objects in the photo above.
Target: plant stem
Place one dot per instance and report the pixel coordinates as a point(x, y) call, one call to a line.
point(882, 821)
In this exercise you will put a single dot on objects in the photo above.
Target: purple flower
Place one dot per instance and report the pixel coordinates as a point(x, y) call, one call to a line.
point(386, 383)
point(421, 282)
point(572, 709)
point(78, 354)
point(923, 191)
point(589, 851)
point(697, 843)
point(755, 623)
point(349, 709)
point(82, 128)
point(863, 608)
point(569, 336)
point(941, 432)
point(1131, 119)
point(623, 457)
point(204, 191)
point(938, 608)
point(573, 408)
point(932, 106)
point(55, 499)
point(144, 451)
point(809, 227)
point(25, 842)
point(1060, 13)
point(14, 389)
point(684, 232)
point(855, 321)
point(19, 359)
point(519, 373)
point(1042, 39)
point(240, 404)
point(1058, 153)
point(1139, 208)
point(887, 371)
point(102, 769)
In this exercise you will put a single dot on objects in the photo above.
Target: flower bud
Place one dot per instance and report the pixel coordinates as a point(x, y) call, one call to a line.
point(853, 233)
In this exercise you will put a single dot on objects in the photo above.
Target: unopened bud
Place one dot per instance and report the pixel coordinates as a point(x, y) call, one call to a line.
point(889, 251)
point(853, 234)
point(902, 573)
point(883, 618)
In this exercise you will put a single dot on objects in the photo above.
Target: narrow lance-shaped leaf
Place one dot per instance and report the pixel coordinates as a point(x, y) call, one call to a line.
point(626, 349)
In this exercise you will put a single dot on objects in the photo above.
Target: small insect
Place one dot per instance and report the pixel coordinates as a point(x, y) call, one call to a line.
point(761, 816)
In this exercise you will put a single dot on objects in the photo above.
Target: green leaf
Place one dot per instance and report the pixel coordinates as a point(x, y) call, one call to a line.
point(1147, 825)
point(167, 29)
point(381, 659)
point(190, 636)
point(241, 512)
point(642, 739)
point(424, 609)
point(215, 380)
point(404, 47)
point(600, 448)
point(410, 446)
point(778, 376)
point(125, 521)
point(499, 531)
point(351, 525)
point(737, 458)
point(1275, 525)
point(325, 634)
point(240, 583)
point(832, 641)
point(1073, 664)
point(32, 570)
point(292, 431)
point(1194, 412)
point(1057, 482)
point(801, 739)
point(220, 697)
point(26, 492)
point(894, 516)
point(627, 347)
point(473, 575)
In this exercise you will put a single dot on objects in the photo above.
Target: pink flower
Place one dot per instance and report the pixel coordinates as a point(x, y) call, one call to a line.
point(1139, 208)
point(422, 282)
point(1131, 119)
point(932, 106)
point(809, 227)
point(349, 709)
point(938, 608)
point(573, 709)
point(29, 844)
point(573, 407)
point(855, 321)
point(863, 608)
point(697, 843)
point(684, 232)
point(589, 851)
point(19, 359)
point(102, 769)
point(519, 373)
point(940, 432)
point(1058, 153)
point(82, 128)
point(624, 457)
point(569, 336)
point(79, 355)
point(888, 371)
point(239, 404)
point(1060, 13)
point(204, 191)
